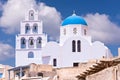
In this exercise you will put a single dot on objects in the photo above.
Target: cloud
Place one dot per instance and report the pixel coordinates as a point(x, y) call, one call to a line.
point(6, 51)
point(101, 28)
point(51, 20)
point(14, 12)
point(1, 6)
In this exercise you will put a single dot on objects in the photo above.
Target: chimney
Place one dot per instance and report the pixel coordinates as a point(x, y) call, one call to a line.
point(119, 52)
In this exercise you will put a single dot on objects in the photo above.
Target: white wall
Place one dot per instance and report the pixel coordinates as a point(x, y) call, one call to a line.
point(22, 57)
point(65, 57)
point(53, 50)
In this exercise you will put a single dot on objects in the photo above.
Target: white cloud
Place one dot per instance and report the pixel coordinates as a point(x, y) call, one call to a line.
point(101, 28)
point(1, 6)
point(14, 12)
point(6, 51)
point(51, 20)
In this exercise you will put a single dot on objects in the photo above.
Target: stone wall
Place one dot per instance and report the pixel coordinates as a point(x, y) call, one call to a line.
point(112, 73)
point(40, 68)
point(70, 73)
point(4, 70)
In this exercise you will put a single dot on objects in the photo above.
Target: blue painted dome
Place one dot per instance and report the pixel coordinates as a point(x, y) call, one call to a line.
point(74, 19)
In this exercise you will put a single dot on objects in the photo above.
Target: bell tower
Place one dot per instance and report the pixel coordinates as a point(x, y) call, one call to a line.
point(30, 40)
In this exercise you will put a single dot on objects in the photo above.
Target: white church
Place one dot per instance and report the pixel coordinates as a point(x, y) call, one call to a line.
point(75, 44)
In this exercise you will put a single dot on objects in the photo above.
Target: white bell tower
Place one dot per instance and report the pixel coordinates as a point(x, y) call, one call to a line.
point(30, 40)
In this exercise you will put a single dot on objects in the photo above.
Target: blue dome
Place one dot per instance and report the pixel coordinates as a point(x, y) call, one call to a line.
point(74, 19)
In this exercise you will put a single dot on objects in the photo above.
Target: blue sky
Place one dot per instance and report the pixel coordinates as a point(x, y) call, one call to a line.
point(102, 16)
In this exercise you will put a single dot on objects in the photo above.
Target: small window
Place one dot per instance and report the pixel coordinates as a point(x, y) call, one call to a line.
point(64, 32)
point(74, 30)
point(75, 64)
point(30, 55)
point(73, 46)
point(54, 62)
point(85, 32)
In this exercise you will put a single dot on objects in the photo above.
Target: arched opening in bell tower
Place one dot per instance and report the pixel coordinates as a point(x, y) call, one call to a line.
point(35, 28)
point(31, 15)
point(39, 42)
point(23, 42)
point(27, 28)
point(31, 42)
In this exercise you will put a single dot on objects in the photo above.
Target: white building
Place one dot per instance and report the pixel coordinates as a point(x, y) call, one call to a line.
point(75, 44)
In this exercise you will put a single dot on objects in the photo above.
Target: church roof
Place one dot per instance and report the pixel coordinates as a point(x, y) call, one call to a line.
point(74, 19)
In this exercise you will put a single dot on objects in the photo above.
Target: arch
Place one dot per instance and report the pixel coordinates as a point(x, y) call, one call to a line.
point(30, 55)
point(39, 42)
point(79, 46)
point(31, 15)
point(73, 46)
point(31, 42)
point(23, 42)
point(35, 28)
point(27, 28)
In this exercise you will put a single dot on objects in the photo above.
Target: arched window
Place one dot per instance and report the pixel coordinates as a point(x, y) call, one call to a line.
point(23, 42)
point(27, 28)
point(31, 42)
point(31, 15)
point(39, 42)
point(30, 55)
point(79, 46)
point(73, 46)
point(35, 28)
